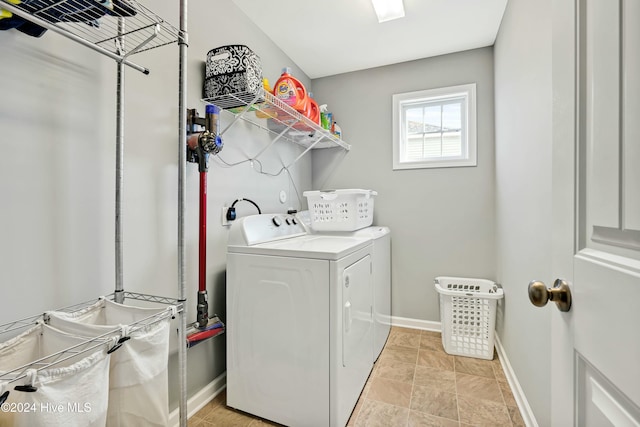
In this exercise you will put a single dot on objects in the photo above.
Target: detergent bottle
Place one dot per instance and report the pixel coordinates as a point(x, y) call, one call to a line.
point(337, 131)
point(266, 85)
point(264, 111)
point(313, 110)
point(291, 91)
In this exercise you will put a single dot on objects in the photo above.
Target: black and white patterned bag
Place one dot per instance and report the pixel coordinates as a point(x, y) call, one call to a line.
point(233, 76)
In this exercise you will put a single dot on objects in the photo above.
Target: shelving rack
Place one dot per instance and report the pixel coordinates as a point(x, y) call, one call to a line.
point(119, 38)
point(280, 120)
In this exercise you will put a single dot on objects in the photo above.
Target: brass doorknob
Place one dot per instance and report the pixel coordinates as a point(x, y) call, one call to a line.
point(560, 294)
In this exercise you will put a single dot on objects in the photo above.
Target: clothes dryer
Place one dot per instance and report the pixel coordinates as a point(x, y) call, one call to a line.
point(381, 264)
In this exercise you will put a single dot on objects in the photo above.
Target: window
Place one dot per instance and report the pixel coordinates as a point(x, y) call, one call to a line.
point(435, 128)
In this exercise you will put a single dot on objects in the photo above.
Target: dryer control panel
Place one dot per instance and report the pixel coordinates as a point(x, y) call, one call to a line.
point(254, 229)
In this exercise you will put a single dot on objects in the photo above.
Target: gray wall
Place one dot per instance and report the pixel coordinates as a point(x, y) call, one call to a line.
point(523, 190)
point(57, 172)
point(441, 220)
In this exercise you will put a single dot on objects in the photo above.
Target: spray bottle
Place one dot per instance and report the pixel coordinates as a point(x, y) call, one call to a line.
point(325, 117)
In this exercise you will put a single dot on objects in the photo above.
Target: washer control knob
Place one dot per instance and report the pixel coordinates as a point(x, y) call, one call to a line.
point(288, 220)
point(276, 221)
point(294, 221)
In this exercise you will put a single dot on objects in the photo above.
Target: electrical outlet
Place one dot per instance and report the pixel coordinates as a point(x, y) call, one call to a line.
point(225, 221)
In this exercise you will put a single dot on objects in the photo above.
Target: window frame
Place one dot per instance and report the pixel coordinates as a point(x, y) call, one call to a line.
point(468, 134)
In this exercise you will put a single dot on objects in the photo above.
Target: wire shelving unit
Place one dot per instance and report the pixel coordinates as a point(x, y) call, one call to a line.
point(118, 29)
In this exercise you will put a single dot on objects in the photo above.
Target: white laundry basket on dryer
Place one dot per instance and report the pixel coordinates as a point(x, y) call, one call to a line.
point(340, 210)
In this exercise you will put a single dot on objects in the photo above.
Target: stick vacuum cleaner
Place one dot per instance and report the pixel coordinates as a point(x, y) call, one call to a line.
point(199, 146)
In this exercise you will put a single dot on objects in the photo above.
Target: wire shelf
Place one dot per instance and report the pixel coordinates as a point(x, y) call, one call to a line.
point(152, 298)
point(20, 324)
point(33, 320)
point(276, 117)
point(119, 29)
point(107, 339)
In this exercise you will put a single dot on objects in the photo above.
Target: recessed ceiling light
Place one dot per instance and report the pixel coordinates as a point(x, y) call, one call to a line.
point(388, 9)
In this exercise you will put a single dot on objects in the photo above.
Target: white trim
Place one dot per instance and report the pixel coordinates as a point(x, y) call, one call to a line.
point(425, 325)
point(200, 399)
point(521, 400)
point(470, 158)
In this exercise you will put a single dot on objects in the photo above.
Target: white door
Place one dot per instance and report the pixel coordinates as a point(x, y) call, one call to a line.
point(595, 363)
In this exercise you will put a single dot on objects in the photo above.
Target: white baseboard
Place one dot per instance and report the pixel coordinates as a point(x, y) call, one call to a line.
point(424, 325)
point(521, 400)
point(200, 399)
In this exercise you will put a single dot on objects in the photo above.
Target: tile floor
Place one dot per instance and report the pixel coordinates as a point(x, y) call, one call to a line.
point(413, 383)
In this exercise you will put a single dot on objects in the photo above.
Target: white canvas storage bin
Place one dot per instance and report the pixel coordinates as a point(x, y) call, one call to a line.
point(340, 210)
point(72, 393)
point(468, 315)
point(138, 390)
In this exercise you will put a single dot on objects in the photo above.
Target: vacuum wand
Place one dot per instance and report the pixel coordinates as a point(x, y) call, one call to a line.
point(203, 304)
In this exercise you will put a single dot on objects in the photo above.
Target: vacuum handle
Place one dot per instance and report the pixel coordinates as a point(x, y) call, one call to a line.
point(211, 119)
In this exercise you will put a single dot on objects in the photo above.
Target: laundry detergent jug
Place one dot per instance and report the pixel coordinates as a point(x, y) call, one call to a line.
point(313, 110)
point(291, 91)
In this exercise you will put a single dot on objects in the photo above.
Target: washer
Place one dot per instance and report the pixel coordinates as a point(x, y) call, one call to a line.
point(299, 321)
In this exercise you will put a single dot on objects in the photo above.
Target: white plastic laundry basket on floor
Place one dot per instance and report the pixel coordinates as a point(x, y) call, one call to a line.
point(73, 393)
point(468, 315)
point(138, 391)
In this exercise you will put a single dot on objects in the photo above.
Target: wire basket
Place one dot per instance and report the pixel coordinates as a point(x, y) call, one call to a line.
point(233, 76)
point(340, 210)
point(468, 315)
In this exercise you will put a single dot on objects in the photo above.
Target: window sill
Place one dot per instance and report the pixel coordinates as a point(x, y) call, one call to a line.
point(435, 164)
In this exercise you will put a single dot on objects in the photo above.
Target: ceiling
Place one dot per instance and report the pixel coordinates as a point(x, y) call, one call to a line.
point(336, 36)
